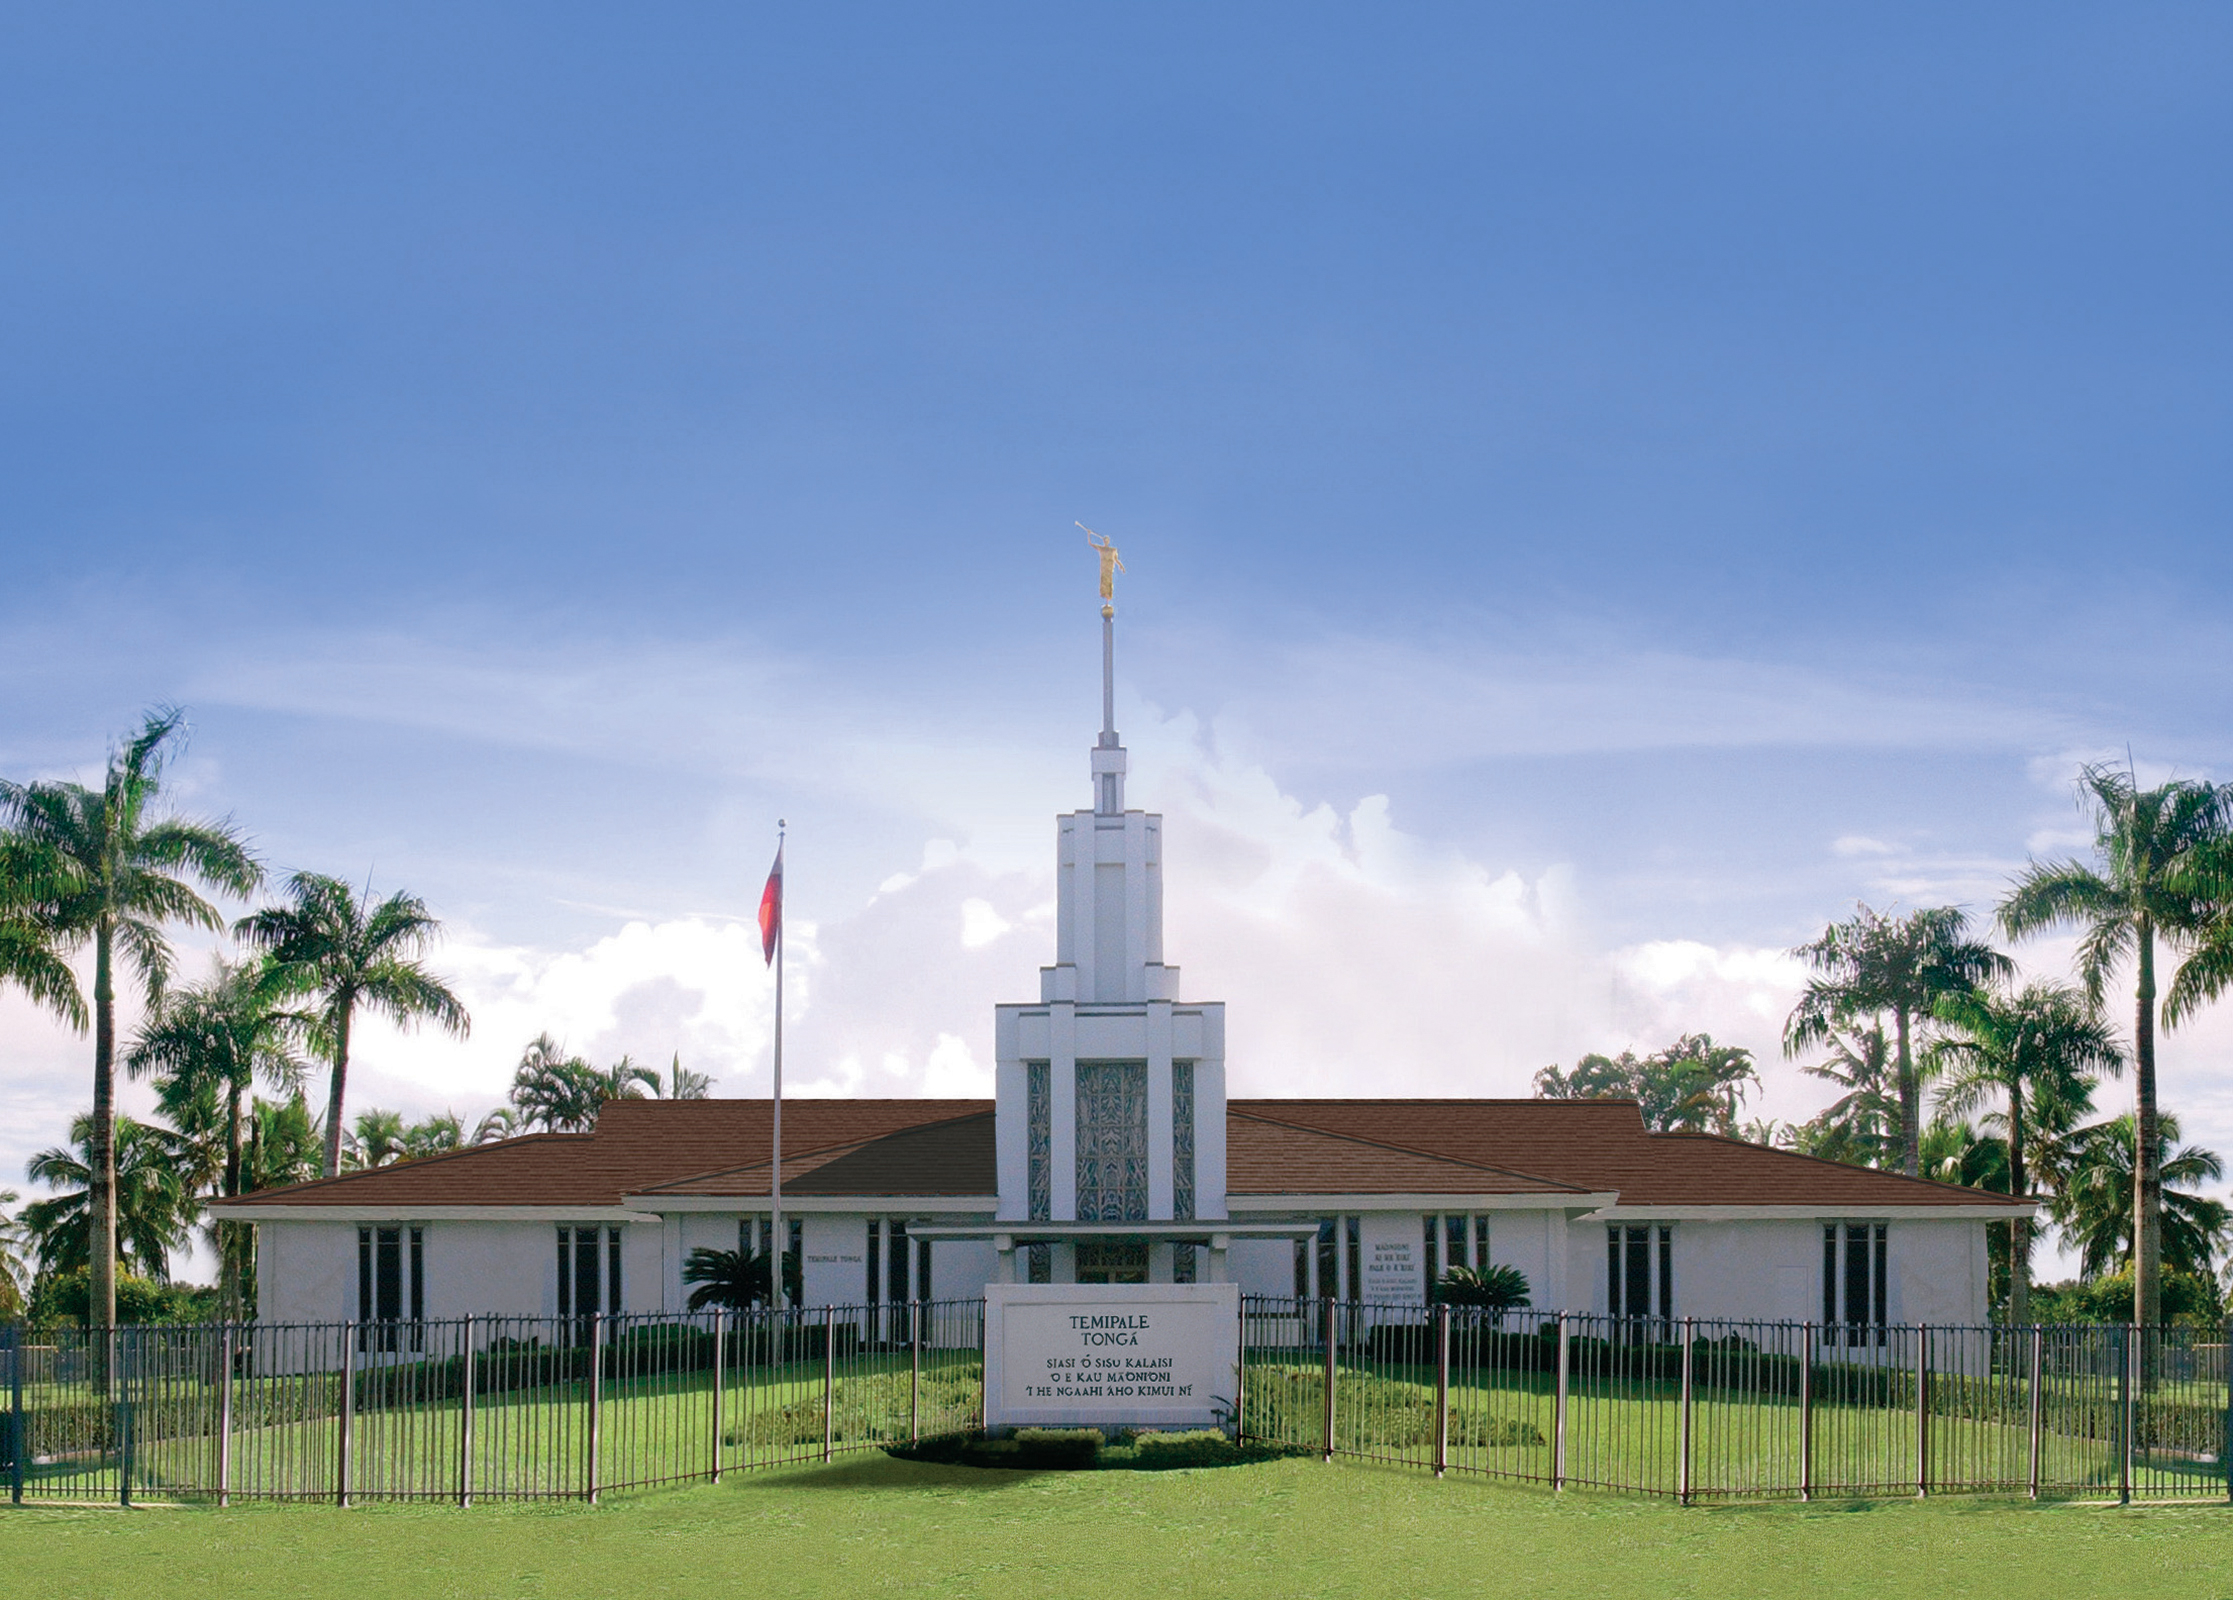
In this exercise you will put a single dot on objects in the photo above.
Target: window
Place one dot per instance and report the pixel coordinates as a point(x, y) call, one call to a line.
point(870, 1296)
point(895, 1276)
point(1355, 1238)
point(1039, 1160)
point(1329, 1268)
point(1112, 1141)
point(1480, 1242)
point(1453, 1234)
point(1182, 1263)
point(1426, 1247)
point(391, 1285)
point(1855, 1290)
point(922, 1269)
point(1639, 1280)
point(1302, 1269)
point(1039, 1263)
point(1112, 1261)
point(1182, 1142)
point(588, 1278)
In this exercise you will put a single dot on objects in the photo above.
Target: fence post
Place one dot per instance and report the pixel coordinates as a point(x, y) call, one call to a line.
point(596, 1401)
point(2128, 1338)
point(829, 1377)
point(718, 1361)
point(1806, 1411)
point(18, 1442)
point(120, 1380)
point(225, 1415)
point(468, 1381)
point(915, 1371)
point(1441, 1389)
point(1240, 1378)
point(347, 1415)
point(1558, 1410)
point(1682, 1460)
point(2038, 1405)
point(1329, 1407)
point(1922, 1411)
point(2225, 1376)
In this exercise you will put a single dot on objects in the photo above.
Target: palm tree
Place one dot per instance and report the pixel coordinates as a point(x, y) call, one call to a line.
point(732, 1279)
point(552, 1090)
point(378, 1139)
point(683, 1084)
point(502, 1123)
point(208, 1046)
point(2040, 1044)
point(329, 947)
point(154, 1208)
point(2096, 1205)
point(1860, 1126)
point(284, 1145)
point(115, 871)
point(15, 1264)
point(1873, 964)
point(2160, 855)
point(623, 1080)
point(434, 1135)
point(1691, 1085)
point(30, 937)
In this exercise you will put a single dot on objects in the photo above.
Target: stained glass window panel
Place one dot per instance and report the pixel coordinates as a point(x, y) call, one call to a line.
point(1112, 1141)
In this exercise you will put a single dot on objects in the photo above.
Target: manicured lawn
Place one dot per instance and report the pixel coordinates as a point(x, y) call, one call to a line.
point(874, 1526)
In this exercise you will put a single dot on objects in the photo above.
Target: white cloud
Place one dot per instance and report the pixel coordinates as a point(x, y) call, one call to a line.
point(1855, 845)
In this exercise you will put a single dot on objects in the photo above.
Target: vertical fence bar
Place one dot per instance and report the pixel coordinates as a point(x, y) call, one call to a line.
point(346, 1416)
point(18, 1439)
point(2038, 1406)
point(120, 1381)
point(1329, 1407)
point(596, 1404)
point(829, 1377)
point(2225, 1439)
point(1441, 1389)
point(1922, 1412)
point(225, 1415)
point(1689, 1397)
point(915, 1370)
point(1558, 1407)
point(1240, 1379)
point(2129, 1342)
point(718, 1361)
point(467, 1380)
point(1806, 1411)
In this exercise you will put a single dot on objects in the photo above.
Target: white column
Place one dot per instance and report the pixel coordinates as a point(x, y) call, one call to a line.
point(1062, 1111)
point(1161, 1185)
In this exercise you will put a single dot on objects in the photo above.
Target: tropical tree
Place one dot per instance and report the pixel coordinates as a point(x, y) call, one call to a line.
point(2159, 871)
point(208, 1046)
point(683, 1084)
point(2095, 1207)
point(736, 1279)
point(1873, 965)
point(15, 1259)
point(1692, 1085)
point(1492, 1289)
point(154, 1207)
point(378, 1138)
point(502, 1123)
point(433, 1135)
point(285, 1145)
point(2035, 1049)
point(623, 1080)
point(31, 939)
point(552, 1090)
point(1862, 1125)
point(330, 947)
point(113, 870)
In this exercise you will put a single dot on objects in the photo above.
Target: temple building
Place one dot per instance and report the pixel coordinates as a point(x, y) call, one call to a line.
point(1111, 1153)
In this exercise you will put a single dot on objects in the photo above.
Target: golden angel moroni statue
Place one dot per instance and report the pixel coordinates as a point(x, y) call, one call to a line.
point(1111, 562)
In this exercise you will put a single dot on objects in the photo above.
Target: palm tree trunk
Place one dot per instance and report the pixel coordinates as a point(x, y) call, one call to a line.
point(100, 1176)
point(2147, 1157)
point(2019, 1228)
point(228, 1233)
point(1911, 1117)
point(342, 1009)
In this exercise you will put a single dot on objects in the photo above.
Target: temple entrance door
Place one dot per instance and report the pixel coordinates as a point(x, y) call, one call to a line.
point(1112, 1260)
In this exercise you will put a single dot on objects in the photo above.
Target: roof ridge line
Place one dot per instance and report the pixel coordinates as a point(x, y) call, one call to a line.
point(1824, 1161)
point(800, 1155)
point(427, 1160)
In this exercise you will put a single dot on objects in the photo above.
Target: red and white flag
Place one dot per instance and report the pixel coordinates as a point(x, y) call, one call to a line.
point(771, 909)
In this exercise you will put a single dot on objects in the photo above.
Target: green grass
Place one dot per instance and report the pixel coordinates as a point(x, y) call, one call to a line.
point(874, 1526)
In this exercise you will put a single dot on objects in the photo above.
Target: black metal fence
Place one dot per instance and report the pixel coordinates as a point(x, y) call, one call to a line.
point(1698, 1409)
point(482, 1408)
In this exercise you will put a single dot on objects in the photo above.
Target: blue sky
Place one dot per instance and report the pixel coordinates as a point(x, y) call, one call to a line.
point(1691, 467)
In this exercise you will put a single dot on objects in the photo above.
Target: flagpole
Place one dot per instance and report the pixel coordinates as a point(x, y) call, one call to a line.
point(777, 1240)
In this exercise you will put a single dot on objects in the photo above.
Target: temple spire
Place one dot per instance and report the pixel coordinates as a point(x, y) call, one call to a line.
point(1108, 755)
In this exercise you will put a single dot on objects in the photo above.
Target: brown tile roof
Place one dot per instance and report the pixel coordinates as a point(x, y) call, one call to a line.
point(945, 1147)
point(638, 1145)
point(1603, 1145)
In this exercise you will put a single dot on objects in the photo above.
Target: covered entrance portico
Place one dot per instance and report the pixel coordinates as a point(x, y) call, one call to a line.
point(1114, 1252)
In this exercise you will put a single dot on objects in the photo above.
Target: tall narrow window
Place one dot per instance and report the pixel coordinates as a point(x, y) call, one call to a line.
point(1302, 1269)
point(1829, 1277)
point(1039, 1263)
point(391, 1281)
point(1877, 1302)
point(613, 1306)
point(875, 1263)
point(922, 1269)
point(1182, 1263)
point(1612, 1272)
point(1112, 1165)
point(418, 1287)
point(1329, 1268)
point(1636, 1268)
point(1481, 1243)
point(1666, 1278)
point(1182, 1141)
point(1857, 1296)
point(588, 1274)
point(895, 1277)
point(1453, 1233)
point(1038, 1120)
point(1426, 1255)
point(1352, 1226)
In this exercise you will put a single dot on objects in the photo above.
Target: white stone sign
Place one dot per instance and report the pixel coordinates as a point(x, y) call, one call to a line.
point(1152, 1355)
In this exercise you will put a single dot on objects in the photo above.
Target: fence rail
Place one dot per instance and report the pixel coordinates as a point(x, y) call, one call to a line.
point(484, 1408)
point(545, 1408)
point(1698, 1409)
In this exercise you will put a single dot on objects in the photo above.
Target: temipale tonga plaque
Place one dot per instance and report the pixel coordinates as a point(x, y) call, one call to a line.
point(1135, 1355)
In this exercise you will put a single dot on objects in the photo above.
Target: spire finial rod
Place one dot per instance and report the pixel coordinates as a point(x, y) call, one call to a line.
point(1108, 756)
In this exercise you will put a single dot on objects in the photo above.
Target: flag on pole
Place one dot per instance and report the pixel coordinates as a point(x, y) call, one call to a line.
point(771, 908)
